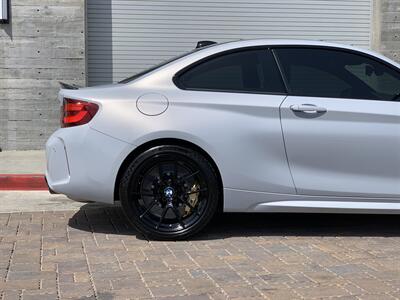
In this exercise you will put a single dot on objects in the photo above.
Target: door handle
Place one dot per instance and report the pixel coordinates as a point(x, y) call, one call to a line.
point(308, 108)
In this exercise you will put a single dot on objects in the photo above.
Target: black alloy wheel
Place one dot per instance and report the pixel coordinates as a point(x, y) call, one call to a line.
point(169, 192)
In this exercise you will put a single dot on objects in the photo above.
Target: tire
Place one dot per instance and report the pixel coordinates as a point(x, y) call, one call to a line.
point(169, 192)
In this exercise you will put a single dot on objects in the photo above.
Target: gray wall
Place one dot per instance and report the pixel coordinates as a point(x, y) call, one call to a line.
point(388, 23)
point(43, 44)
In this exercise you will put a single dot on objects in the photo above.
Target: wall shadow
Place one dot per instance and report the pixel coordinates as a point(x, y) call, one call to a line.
point(99, 42)
point(110, 220)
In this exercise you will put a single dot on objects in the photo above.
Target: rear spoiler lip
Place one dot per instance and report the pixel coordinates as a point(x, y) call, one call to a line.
point(69, 86)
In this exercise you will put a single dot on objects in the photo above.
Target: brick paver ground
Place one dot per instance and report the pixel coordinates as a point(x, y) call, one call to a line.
point(93, 254)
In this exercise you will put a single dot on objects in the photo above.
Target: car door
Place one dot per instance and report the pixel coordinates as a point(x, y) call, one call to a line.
point(341, 122)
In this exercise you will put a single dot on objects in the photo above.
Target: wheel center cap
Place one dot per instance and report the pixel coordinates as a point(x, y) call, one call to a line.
point(169, 192)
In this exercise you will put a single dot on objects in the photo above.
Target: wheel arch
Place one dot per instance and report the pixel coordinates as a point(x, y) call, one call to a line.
point(167, 141)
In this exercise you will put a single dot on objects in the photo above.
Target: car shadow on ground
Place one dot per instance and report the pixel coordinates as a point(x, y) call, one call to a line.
point(111, 220)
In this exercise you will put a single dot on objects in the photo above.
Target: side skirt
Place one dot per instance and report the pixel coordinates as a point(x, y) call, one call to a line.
point(248, 201)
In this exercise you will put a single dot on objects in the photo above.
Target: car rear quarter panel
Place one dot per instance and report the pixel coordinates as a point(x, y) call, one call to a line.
point(241, 133)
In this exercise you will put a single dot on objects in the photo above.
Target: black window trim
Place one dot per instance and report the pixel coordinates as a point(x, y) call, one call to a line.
point(283, 75)
point(356, 52)
point(178, 83)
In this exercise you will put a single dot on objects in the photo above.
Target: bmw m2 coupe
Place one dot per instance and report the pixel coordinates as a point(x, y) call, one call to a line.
point(244, 126)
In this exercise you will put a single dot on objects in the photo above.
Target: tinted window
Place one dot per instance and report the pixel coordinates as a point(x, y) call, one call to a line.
point(249, 71)
point(339, 74)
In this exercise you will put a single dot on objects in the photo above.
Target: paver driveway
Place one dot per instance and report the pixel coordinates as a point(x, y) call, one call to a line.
point(92, 253)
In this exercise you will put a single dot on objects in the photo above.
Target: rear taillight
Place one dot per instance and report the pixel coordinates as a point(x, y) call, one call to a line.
point(77, 112)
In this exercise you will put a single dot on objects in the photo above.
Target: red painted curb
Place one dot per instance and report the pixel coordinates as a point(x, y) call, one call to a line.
point(22, 182)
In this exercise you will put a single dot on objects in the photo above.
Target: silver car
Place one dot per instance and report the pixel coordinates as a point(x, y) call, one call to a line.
point(245, 126)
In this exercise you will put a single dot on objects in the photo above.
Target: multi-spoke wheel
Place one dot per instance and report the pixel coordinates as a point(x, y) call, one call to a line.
point(169, 192)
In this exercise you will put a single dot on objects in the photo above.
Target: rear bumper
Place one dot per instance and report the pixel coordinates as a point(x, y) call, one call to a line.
point(83, 163)
point(48, 187)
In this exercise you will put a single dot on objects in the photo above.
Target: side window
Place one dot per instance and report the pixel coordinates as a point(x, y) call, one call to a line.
point(244, 71)
point(339, 74)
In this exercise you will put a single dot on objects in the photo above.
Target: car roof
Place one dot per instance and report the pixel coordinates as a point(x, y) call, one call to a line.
point(226, 46)
point(283, 42)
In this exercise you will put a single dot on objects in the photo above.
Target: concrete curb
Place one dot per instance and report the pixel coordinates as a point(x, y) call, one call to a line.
point(22, 182)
